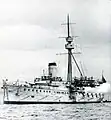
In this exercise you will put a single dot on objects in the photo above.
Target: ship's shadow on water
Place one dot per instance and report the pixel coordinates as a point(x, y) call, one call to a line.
point(100, 111)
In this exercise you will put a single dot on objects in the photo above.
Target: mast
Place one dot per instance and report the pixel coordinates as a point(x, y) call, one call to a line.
point(69, 46)
point(68, 32)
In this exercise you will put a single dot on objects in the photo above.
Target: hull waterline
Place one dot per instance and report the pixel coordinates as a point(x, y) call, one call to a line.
point(33, 102)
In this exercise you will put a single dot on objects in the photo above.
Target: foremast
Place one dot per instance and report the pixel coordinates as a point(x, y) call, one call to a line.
point(69, 46)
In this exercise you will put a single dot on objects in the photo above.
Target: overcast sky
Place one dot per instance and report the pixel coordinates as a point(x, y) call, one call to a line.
point(30, 31)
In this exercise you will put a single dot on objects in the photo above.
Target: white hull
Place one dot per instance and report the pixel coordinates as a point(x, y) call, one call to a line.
point(34, 94)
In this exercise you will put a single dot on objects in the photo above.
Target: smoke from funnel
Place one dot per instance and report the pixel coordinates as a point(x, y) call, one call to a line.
point(104, 88)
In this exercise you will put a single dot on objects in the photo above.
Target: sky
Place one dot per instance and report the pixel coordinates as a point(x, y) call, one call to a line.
point(30, 31)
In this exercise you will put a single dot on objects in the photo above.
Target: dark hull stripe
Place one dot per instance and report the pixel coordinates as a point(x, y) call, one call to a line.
point(36, 102)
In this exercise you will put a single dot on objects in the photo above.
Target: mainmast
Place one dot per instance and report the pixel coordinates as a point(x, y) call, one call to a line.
point(69, 46)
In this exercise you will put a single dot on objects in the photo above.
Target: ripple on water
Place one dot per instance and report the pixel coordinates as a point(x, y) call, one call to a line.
point(56, 112)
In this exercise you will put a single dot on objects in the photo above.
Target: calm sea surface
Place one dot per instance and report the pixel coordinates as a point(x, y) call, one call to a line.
point(56, 112)
point(101, 111)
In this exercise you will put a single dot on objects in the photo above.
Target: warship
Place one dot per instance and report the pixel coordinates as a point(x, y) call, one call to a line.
point(53, 89)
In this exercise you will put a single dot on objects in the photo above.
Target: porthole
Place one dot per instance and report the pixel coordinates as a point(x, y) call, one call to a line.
point(32, 96)
point(28, 89)
point(32, 89)
point(24, 89)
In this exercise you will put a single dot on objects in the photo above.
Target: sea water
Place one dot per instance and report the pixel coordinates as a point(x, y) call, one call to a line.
point(101, 111)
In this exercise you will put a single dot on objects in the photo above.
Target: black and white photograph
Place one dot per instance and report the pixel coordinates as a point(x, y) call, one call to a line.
point(55, 59)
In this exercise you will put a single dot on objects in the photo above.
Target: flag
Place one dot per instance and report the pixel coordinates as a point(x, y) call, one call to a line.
point(103, 79)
